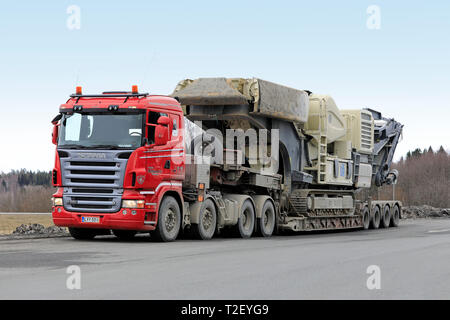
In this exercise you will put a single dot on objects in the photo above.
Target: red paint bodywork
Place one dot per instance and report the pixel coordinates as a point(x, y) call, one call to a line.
point(153, 180)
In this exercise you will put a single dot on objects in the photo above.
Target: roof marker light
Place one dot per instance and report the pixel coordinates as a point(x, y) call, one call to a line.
point(134, 89)
point(78, 91)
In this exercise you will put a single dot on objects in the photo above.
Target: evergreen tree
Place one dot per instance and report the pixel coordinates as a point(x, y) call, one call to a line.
point(416, 153)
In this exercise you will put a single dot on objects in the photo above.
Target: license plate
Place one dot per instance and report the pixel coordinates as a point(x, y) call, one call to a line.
point(90, 219)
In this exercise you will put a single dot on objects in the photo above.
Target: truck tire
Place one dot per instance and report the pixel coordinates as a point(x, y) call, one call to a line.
point(169, 221)
point(386, 217)
point(82, 234)
point(395, 217)
point(206, 227)
point(376, 218)
point(124, 234)
point(366, 218)
point(246, 222)
point(266, 224)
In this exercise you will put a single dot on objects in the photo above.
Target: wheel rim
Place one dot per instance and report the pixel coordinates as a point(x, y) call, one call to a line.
point(366, 218)
point(396, 215)
point(376, 217)
point(207, 219)
point(170, 220)
point(246, 219)
point(267, 220)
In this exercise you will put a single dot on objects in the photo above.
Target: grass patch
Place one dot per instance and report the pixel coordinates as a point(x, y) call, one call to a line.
point(9, 222)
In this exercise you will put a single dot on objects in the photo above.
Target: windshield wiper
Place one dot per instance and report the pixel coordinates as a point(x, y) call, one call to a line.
point(107, 146)
point(95, 146)
point(71, 146)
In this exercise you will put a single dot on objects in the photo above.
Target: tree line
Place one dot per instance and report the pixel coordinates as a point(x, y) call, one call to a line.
point(25, 191)
point(24, 178)
point(424, 178)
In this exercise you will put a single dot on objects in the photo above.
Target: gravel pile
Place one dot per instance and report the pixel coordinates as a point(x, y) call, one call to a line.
point(425, 211)
point(36, 228)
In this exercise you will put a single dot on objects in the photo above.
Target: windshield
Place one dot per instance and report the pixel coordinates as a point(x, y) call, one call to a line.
point(101, 130)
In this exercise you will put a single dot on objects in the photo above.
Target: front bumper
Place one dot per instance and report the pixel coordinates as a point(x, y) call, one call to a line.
point(117, 220)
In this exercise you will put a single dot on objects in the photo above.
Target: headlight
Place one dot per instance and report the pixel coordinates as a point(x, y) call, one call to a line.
point(57, 201)
point(134, 204)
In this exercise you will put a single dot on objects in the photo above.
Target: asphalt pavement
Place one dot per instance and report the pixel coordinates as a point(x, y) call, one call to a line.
point(408, 262)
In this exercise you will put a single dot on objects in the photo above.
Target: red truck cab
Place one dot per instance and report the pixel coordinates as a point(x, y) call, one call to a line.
point(119, 157)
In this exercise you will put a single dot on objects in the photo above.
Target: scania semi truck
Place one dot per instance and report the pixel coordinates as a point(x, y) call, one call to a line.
point(219, 155)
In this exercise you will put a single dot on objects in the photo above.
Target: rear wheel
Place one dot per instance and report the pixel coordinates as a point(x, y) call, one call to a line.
point(376, 218)
point(266, 224)
point(246, 221)
point(82, 234)
point(395, 219)
point(207, 221)
point(124, 234)
point(366, 218)
point(386, 217)
point(169, 221)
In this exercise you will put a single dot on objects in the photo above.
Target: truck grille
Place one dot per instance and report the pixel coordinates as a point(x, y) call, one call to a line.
point(93, 183)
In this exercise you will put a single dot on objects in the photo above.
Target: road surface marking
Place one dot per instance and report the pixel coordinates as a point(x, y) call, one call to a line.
point(438, 231)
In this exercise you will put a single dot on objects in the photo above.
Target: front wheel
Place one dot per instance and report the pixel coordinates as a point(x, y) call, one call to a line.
point(169, 221)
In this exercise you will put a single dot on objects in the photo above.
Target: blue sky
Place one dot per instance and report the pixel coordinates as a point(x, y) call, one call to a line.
point(402, 69)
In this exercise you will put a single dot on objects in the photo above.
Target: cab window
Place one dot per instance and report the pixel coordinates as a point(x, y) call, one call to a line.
point(152, 122)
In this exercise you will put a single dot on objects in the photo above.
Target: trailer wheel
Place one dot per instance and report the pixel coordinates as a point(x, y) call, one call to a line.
point(386, 217)
point(206, 227)
point(366, 218)
point(395, 219)
point(246, 221)
point(124, 234)
point(266, 224)
point(82, 234)
point(169, 221)
point(376, 218)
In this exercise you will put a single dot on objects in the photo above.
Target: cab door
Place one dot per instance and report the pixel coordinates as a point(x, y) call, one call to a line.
point(176, 143)
point(164, 162)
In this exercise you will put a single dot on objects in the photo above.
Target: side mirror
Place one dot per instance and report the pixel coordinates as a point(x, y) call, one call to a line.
point(162, 131)
point(55, 128)
point(55, 134)
point(163, 120)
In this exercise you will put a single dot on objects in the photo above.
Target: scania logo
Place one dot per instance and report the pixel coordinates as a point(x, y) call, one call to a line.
point(141, 179)
point(85, 155)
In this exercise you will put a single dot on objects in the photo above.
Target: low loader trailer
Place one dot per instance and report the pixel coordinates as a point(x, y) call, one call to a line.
point(219, 155)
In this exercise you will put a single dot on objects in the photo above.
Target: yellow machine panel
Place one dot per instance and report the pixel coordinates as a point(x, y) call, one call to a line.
point(339, 171)
point(324, 118)
point(359, 129)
